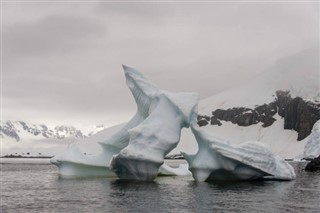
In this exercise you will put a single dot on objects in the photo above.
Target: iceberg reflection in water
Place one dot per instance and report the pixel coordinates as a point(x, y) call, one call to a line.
point(35, 187)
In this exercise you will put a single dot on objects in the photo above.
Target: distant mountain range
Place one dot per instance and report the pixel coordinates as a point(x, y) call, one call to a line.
point(20, 131)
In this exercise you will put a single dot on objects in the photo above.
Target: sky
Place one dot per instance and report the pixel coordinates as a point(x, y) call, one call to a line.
point(61, 60)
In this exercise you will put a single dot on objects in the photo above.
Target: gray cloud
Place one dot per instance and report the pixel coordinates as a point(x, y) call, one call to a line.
point(54, 33)
point(62, 61)
point(145, 12)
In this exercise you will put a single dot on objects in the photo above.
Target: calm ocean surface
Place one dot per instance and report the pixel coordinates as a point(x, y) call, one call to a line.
point(33, 185)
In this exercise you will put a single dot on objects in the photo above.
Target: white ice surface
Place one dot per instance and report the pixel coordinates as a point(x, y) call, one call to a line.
point(281, 141)
point(88, 157)
point(165, 115)
point(140, 145)
point(182, 170)
point(217, 159)
point(312, 148)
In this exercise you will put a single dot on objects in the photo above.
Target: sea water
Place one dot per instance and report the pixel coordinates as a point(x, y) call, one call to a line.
point(34, 185)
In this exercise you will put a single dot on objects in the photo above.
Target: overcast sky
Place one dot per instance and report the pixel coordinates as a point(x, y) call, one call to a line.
point(62, 60)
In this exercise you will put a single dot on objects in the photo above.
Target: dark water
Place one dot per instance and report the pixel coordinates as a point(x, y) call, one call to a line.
point(34, 186)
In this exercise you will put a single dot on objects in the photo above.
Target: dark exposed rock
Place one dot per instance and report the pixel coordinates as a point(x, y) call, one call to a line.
point(8, 129)
point(267, 120)
point(242, 116)
point(202, 123)
point(203, 120)
point(174, 156)
point(313, 165)
point(203, 117)
point(283, 99)
point(247, 118)
point(215, 121)
point(298, 114)
point(30, 129)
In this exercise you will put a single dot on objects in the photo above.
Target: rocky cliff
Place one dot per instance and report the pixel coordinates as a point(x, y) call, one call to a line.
point(298, 114)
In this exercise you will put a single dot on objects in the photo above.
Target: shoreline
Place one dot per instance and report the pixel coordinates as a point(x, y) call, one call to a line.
point(19, 157)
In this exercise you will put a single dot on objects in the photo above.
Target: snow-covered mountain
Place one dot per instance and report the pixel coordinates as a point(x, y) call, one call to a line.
point(20, 138)
point(278, 108)
point(20, 130)
point(96, 129)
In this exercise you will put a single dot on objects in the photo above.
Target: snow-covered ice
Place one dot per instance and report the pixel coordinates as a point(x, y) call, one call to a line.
point(217, 159)
point(182, 170)
point(151, 134)
point(74, 163)
point(282, 142)
point(164, 114)
point(99, 151)
point(312, 148)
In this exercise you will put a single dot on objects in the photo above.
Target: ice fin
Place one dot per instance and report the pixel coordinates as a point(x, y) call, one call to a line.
point(224, 161)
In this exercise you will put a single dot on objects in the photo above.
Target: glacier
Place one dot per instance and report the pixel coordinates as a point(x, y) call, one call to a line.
point(218, 160)
point(146, 137)
point(312, 147)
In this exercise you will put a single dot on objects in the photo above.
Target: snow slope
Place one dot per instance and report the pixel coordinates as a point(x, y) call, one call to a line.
point(298, 73)
point(312, 148)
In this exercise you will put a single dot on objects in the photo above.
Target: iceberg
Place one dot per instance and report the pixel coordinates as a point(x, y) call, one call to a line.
point(182, 170)
point(74, 163)
point(136, 150)
point(312, 147)
point(140, 145)
point(218, 160)
point(164, 114)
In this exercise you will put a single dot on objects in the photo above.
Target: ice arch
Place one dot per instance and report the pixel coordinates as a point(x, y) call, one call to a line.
point(152, 133)
point(164, 115)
